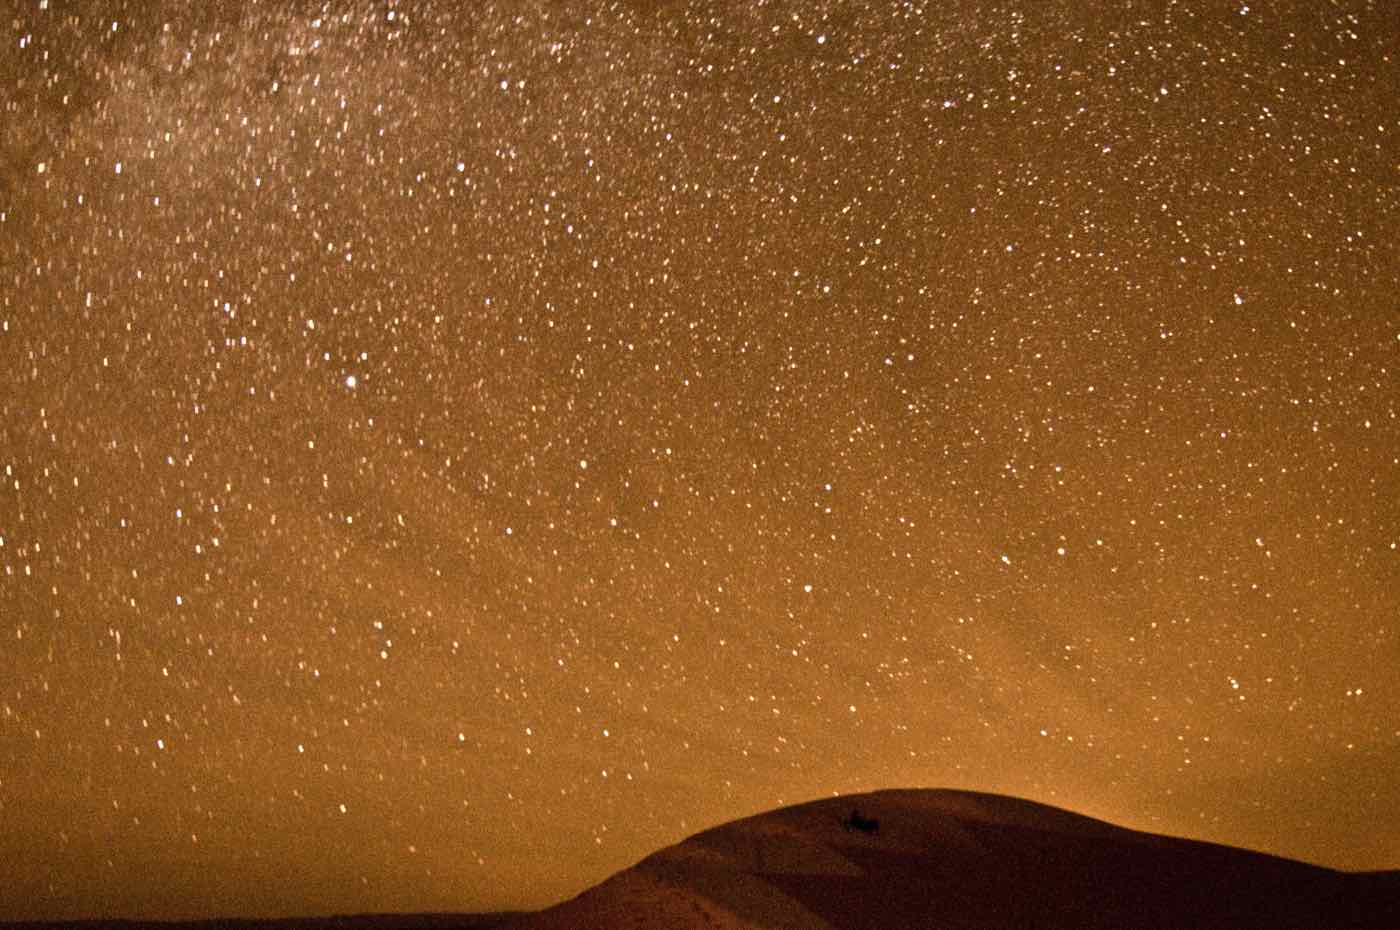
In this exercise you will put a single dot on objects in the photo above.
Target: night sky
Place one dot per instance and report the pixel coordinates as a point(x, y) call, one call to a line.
point(450, 451)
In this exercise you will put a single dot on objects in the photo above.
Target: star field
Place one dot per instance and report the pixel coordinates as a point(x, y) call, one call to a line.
point(449, 451)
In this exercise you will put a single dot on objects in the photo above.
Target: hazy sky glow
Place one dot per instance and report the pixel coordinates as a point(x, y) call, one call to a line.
point(448, 451)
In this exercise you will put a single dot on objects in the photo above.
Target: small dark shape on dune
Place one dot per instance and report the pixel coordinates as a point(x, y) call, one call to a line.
point(958, 860)
point(863, 824)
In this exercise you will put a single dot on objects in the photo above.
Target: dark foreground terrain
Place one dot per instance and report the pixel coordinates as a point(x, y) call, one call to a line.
point(936, 859)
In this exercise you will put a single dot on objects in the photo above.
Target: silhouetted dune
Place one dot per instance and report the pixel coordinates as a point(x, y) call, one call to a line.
point(953, 860)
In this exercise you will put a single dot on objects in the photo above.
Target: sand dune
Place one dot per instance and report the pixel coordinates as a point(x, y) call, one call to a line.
point(957, 860)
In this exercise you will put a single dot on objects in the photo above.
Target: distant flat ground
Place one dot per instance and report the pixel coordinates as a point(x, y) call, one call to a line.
point(346, 922)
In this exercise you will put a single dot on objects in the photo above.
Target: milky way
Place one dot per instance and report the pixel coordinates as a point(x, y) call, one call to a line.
point(449, 451)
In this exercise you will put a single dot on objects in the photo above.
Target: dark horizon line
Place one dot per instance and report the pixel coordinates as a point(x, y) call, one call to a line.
point(410, 920)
